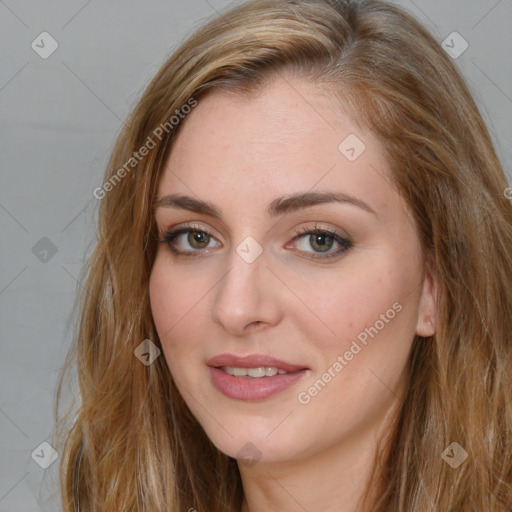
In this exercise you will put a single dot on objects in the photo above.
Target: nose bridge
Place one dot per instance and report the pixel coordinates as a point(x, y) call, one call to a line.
point(243, 296)
point(240, 287)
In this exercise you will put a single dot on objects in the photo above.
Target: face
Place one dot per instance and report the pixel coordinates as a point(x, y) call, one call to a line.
point(285, 248)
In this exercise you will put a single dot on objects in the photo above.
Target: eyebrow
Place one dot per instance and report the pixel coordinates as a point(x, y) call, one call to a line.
point(279, 206)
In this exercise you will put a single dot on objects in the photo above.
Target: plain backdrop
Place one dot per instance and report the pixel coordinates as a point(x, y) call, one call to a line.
point(59, 118)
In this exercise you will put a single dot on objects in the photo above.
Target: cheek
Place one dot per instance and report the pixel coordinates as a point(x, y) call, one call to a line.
point(177, 302)
point(359, 368)
point(372, 304)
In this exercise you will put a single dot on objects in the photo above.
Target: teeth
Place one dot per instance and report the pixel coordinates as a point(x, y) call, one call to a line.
point(255, 373)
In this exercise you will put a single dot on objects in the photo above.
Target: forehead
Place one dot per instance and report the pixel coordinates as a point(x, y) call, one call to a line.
point(290, 137)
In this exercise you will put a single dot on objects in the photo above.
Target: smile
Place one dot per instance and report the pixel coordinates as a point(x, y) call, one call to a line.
point(254, 373)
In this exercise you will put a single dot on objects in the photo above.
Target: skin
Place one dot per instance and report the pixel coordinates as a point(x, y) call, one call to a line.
point(241, 153)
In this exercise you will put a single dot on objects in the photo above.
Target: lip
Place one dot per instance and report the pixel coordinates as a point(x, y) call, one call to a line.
point(252, 361)
point(248, 389)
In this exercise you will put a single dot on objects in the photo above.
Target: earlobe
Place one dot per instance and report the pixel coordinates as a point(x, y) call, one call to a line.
point(425, 328)
point(427, 312)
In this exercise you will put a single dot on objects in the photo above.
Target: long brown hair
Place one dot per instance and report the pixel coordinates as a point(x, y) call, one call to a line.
point(132, 444)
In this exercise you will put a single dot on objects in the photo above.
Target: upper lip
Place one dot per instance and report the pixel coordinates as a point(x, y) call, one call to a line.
point(252, 361)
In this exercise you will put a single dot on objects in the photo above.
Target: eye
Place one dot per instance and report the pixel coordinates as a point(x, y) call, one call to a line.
point(189, 240)
point(318, 243)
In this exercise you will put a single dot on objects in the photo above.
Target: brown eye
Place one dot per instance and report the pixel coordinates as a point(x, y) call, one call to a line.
point(190, 242)
point(321, 242)
point(198, 239)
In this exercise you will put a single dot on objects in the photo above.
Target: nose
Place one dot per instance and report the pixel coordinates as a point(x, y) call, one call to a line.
point(247, 297)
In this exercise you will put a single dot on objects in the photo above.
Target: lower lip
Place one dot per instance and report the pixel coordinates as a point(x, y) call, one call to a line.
point(249, 389)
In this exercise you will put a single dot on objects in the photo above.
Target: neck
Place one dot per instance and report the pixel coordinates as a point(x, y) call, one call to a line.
point(332, 480)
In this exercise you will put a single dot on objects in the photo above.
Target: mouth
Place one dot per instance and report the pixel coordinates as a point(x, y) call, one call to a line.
point(257, 364)
point(254, 377)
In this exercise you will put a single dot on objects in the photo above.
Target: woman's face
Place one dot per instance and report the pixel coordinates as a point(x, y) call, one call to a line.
point(293, 253)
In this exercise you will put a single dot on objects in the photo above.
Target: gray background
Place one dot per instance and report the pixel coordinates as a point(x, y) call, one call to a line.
point(60, 117)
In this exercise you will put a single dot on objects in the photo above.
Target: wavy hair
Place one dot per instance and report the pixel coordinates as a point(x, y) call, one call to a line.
point(132, 444)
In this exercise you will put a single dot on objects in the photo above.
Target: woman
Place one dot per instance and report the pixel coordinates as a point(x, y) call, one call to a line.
point(300, 295)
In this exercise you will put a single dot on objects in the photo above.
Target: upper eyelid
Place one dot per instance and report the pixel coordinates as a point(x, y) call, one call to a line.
point(299, 233)
point(186, 227)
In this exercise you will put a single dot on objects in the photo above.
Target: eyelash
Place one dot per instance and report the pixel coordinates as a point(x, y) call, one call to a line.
point(345, 243)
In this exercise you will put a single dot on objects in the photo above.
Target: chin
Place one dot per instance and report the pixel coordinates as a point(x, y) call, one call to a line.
point(253, 444)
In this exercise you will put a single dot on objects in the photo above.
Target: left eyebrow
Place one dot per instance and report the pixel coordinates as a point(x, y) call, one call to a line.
point(295, 202)
point(279, 206)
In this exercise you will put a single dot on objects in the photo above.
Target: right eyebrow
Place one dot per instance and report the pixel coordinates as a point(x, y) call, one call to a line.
point(188, 203)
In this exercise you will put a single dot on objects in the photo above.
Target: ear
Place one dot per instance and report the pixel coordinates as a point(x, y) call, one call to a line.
point(427, 311)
